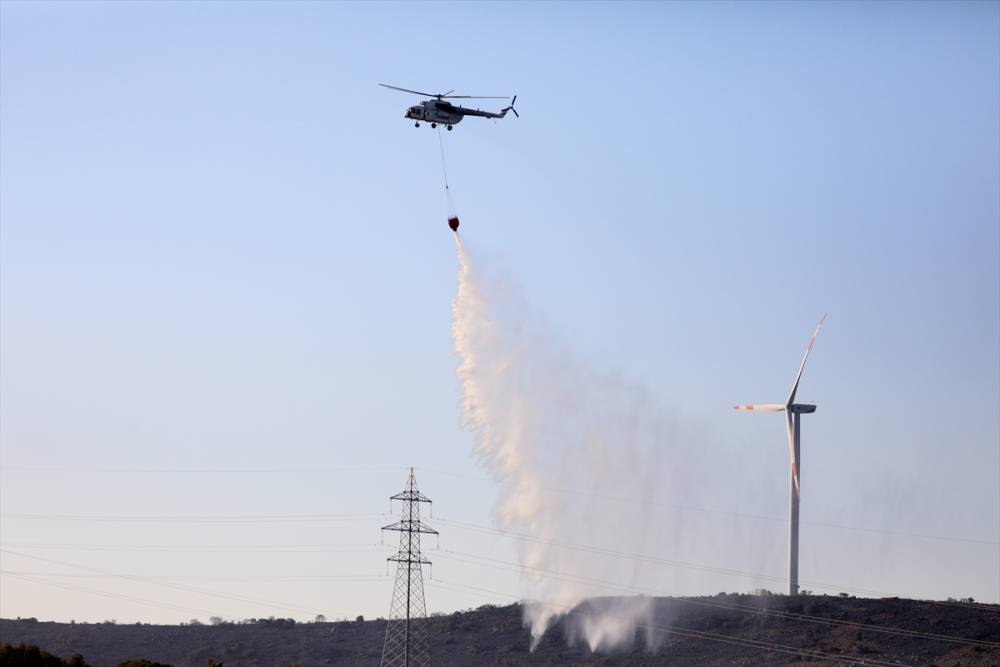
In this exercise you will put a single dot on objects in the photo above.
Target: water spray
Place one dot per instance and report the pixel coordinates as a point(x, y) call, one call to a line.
point(543, 421)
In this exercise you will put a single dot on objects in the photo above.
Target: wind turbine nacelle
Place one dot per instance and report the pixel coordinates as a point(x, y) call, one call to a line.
point(801, 408)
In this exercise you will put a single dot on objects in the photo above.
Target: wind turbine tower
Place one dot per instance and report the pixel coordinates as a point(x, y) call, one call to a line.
point(793, 414)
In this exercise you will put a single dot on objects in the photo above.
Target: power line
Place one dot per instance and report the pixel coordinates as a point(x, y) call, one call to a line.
point(742, 515)
point(796, 616)
point(370, 547)
point(203, 518)
point(194, 548)
point(696, 566)
point(107, 594)
point(362, 547)
point(609, 552)
point(695, 634)
point(191, 589)
point(545, 489)
point(679, 630)
point(205, 470)
point(220, 579)
point(517, 567)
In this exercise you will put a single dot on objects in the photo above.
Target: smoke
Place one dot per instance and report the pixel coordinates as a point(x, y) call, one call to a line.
point(562, 439)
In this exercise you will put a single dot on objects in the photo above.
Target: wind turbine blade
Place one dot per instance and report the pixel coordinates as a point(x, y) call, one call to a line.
point(798, 376)
point(761, 407)
point(790, 429)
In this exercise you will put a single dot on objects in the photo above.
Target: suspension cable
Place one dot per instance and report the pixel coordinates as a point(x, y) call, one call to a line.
point(444, 170)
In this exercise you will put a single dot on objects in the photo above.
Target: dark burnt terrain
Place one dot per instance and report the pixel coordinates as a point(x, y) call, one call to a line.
point(718, 630)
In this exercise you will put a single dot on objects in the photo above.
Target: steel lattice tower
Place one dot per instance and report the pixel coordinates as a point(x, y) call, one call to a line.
point(407, 641)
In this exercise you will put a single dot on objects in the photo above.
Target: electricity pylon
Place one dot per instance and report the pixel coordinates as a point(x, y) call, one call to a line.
point(407, 642)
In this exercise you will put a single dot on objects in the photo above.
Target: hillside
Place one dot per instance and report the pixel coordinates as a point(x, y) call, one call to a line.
point(744, 630)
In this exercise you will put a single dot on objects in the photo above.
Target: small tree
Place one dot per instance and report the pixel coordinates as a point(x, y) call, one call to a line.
point(31, 656)
point(320, 618)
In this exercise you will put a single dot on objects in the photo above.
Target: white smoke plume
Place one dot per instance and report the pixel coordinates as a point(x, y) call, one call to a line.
point(561, 439)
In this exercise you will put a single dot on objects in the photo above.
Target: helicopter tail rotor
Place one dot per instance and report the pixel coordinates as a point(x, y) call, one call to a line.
point(511, 107)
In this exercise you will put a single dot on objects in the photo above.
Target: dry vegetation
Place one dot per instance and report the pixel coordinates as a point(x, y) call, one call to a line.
point(496, 636)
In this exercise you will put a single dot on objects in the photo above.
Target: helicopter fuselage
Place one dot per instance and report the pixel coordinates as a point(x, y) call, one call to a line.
point(444, 112)
point(435, 111)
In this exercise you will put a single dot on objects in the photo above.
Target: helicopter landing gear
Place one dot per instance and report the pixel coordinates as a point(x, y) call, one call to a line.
point(434, 124)
point(417, 124)
point(449, 128)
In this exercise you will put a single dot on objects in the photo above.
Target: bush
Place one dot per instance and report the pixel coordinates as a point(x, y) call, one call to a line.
point(31, 656)
point(270, 622)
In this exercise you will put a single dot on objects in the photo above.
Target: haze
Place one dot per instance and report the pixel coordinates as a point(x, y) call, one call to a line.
point(226, 285)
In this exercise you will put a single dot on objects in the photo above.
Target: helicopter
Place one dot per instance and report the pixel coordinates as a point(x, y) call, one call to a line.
point(438, 110)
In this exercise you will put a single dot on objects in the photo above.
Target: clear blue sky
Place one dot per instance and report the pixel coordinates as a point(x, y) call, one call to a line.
point(223, 247)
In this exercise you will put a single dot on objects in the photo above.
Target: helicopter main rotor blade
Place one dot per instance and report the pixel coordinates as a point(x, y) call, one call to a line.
point(476, 97)
point(407, 90)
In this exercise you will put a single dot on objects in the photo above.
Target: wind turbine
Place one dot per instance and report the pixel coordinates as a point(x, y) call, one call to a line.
point(793, 412)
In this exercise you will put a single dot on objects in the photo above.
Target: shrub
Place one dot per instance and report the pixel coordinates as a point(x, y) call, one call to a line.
point(31, 656)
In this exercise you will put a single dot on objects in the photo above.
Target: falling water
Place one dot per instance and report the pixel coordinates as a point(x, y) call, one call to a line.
point(546, 426)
